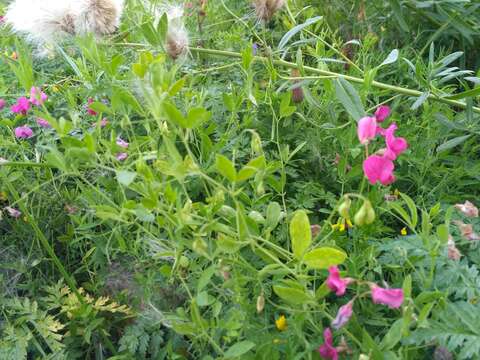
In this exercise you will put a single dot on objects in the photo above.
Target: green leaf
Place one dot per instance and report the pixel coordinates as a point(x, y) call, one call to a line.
point(226, 168)
point(300, 233)
point(349, 98)
point(126, 177)
point(274, 213)
point(412, 208)
point(239, 349)
point(393, 336)
point(162, 28)
point(442, 233)
point(324, 257)
point(292, 295)
point(251, 168)
point(100, 107)
point(450, 144)
point(465, 94)
point(292, 32)
point(174, 115)
point(197, 116)
point(391, 58)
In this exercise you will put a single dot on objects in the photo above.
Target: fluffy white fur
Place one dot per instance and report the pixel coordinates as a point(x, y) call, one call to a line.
point(49, 21)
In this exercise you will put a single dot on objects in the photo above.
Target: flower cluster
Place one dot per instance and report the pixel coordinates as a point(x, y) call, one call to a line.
point(379, 167)
point(23, 106)
point(393, 298)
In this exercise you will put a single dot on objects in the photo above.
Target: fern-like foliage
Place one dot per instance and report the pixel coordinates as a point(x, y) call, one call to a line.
point(29, 326)
point(142, 338)
point(456, 327)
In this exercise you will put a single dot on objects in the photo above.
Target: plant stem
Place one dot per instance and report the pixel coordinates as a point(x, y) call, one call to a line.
point(379, 85)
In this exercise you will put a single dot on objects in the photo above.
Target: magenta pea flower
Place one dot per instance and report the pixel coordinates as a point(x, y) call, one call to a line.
point(393, 298)
point(122, 143)
point(337, 283)
point(43, 123)
point(2, 104)
point(379, 168)
point(23, 132)
point(21, 107)
point(343, 316)
point(382, 113)
point(37, 97)
point(13, 212)
point(395, 145)
point(89, 110)
point(121, 156)
point(327, 350)
point(367, 129)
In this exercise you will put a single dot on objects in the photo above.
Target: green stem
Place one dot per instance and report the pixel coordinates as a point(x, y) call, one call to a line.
point(379, 85)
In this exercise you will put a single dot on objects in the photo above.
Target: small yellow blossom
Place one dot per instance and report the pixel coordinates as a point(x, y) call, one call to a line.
point(349, 223)
point(403, 231)
point(396, 192)
point(281, 323)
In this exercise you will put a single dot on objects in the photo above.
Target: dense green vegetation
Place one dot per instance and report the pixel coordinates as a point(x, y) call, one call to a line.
point(167, 202)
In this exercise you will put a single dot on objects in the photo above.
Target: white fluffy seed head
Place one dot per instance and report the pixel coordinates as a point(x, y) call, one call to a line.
point(265, 9)
point(49, 21)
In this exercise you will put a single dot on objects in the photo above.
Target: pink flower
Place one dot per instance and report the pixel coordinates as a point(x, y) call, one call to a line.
point(43, 123)
point(2, 104)
point(379, 168)
point(336, 283)
point(382, 113)
point(122, 143)
point(468, 209)
point(344, 314)
point(23, 132)
point(367, 129)
point(393, 298)
point(395, 146)
point(121, 156)
point(89, 110)
point(327, 350)
point(37, 97)
point(13, 212)
point(21, 107)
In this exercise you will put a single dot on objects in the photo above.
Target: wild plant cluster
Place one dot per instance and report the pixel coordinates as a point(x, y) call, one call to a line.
point(233, 179)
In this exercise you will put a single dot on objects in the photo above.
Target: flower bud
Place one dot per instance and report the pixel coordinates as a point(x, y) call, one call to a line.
point(297, 91)
point(366, 214)
point(344, 208)
point(260, 303)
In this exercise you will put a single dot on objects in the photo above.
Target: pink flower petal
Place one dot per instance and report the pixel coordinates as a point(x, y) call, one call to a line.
point(21, 107)
point(395, 145)
point(37, 97)
point(343, 316)
point(393, 298)
point(2, 104)
point(43, 123)
point(23, 132)
point(13, 212)
point(122, 143)
point(367, 129)
point(382, 113)
point(327, 350)
point(379, 168)
point(335, 282)
point(121, 156)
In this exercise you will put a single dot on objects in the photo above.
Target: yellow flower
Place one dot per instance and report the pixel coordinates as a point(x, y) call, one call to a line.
point(342, 227)
point(281, 323)
point(396, 192)
point(349, 223)
point(403, 231)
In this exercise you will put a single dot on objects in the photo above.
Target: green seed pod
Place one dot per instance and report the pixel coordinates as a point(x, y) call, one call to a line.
point(366, 214)
point(344, 208)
